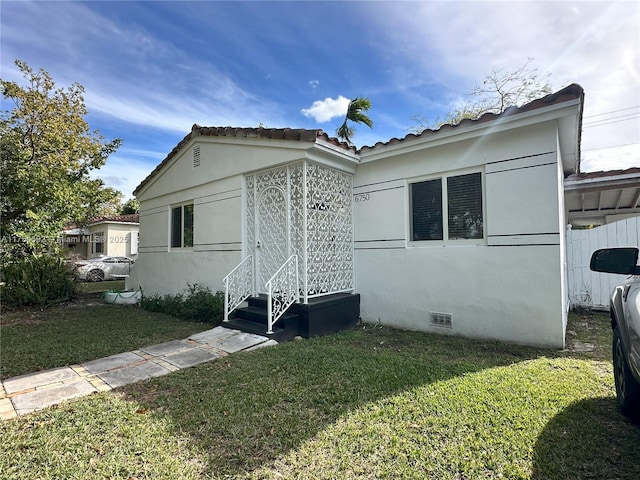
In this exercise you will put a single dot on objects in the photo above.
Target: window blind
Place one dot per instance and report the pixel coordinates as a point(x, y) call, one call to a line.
point(464, 198)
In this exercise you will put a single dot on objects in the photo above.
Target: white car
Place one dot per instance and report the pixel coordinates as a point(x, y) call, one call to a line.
point(104, 268)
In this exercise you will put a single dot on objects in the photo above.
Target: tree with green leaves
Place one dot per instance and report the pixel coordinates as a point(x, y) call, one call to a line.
point(499, 90)
point(47, 152)
point(130, 206)
point(354, 114)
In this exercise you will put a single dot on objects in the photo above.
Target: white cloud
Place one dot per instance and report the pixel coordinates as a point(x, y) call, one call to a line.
point(314, 83)
point(614, 158)
point(143, 79)
point(325, 110)
point(454, 44)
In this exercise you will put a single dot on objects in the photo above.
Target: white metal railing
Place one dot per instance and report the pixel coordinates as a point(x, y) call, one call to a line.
point(282, 291)
point(238, 286)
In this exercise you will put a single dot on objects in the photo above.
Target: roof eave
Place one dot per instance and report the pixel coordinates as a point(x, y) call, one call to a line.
point(448, 133)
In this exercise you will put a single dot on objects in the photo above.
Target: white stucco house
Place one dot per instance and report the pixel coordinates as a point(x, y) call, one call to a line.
point(458, 231)
point(115, 236)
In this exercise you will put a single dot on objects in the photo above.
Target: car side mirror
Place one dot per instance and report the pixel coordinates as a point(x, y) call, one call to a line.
point(623, 261)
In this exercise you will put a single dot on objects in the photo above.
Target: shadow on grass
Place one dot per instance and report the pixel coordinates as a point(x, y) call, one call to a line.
point(607, 446)
point(249, 409)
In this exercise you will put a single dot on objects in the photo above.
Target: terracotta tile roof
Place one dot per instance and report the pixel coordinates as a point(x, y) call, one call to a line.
point(294, 134)
point(297, 134)
point(573, 91)
point(603, 174)
point(570, 92)
point(130, 218)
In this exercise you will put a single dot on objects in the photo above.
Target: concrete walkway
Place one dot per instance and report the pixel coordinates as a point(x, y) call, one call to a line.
point(34, 391)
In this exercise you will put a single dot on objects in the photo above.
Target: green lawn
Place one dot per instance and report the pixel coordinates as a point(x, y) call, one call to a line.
point(366, 403)
point(35, 339)
point(97, 287)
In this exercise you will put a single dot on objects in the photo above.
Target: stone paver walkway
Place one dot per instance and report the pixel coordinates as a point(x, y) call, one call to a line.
point(34, 391)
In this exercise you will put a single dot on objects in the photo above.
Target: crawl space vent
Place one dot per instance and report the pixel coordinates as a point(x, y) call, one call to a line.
point(440, 319)
point(196, 157)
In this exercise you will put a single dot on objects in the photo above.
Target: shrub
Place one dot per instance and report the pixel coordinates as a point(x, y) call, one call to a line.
point(39, 280)
point(197, 303)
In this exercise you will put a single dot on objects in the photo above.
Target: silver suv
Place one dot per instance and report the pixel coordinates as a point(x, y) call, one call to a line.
point(624, 308)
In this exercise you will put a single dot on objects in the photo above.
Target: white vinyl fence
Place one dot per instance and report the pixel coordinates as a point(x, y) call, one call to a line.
point(589, 289)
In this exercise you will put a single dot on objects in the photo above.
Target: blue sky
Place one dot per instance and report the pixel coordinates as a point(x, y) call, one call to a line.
point(153, 69)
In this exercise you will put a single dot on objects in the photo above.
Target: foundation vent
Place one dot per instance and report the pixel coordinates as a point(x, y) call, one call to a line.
point(196, 157)
point(440, 319)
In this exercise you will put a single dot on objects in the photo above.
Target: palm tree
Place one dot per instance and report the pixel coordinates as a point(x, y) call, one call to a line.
point(354, 114)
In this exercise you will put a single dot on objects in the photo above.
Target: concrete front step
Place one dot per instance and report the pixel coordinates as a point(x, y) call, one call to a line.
point(257, 328)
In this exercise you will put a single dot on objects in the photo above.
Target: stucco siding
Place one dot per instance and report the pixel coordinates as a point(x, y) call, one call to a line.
point(217, 221)
point(220, 159)
point(504, 293)
point(119, 240)
point(154, 224)
point(522, 199)
point(115, 238)
point(169, 273)
point(217, 238)
point(507, 285)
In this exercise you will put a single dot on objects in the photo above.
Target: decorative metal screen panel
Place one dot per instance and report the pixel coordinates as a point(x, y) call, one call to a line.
point(273, 234)
point(297, 217)
point(329, 259)
point(302, 209)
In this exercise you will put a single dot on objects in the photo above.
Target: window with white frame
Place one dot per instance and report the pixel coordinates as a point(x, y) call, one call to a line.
point(447, 208)
point(182, 226)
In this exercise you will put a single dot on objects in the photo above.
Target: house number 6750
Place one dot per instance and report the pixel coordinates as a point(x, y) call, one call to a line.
point(361, 197)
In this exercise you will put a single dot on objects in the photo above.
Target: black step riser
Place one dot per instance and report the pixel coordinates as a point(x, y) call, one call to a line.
point(258, 314)
point(320, 316)
point(258, 302)
point(251, 316)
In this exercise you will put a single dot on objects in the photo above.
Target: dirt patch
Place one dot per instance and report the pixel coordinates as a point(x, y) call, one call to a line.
point(589, 333)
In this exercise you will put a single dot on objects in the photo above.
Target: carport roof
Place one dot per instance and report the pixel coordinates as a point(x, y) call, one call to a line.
point(593, 196)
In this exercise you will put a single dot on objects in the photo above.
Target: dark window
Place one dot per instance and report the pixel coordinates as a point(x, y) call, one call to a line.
point(176, 227)
point(187, 230)
point(426, 211)
point(99, 242)
point(464, 197)
point(182, 226)
point(463, 218)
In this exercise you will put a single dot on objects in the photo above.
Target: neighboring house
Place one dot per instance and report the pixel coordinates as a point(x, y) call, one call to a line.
point(457, 231)
point(114, 236)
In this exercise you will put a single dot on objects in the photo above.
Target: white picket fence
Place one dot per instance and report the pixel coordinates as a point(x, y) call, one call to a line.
point(591, 289)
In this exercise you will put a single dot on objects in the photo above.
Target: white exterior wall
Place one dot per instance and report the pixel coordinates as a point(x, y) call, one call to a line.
point(117, 239)
point(215, 188)
point(507, 286)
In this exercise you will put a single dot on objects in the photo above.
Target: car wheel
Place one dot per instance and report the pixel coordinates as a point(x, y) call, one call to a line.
point(95, 275)
point(627, 387)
